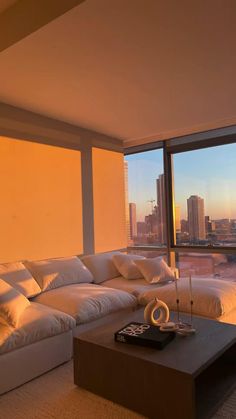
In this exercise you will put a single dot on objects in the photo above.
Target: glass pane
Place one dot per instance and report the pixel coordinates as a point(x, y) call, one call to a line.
point(205, 196)
point(145, 201)
point(216, 265)
point(149, 253)
point(109, 200)
point(41, 201)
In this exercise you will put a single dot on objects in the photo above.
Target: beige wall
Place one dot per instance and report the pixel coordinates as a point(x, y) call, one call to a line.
point(41, 201)
point(66, 143)
point(109, 200)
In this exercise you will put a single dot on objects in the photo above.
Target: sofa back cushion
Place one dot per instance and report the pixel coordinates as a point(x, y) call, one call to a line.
point(126, 266)
point(102, 266)
point(18, 276)
point(12, 304)
point(55, 273)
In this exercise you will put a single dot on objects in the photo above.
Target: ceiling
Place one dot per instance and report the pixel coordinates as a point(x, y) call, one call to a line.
point(4, 4)
point(138, 70)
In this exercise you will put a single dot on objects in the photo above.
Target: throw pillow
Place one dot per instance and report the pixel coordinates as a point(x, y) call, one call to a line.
point(55, 273)
point(126, 266)
point(155, 270)
point(20, 278)
point(102, 266)
point(12, 304)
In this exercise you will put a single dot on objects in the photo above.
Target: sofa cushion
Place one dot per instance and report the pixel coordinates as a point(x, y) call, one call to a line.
point(20, 278)
point(54, 273)
point(126, 266)
point(135, 287)
point(155, 270)
point(36, 323)
point(12, 304)
point(86, 302)
point(211, 297)
point(101, 266)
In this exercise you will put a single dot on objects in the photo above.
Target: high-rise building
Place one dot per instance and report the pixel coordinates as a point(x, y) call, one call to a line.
point(151, 221)
point(161, 208)
point(127, 222)
point(132, 220)
point(184, 226)
point(207, 224)
point(141, 228)
point(196, 218)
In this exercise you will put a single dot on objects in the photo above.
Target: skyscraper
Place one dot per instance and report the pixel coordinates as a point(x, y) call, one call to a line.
point(132, 220)
point(127, 221)
point(196, 218)
point(161, 208)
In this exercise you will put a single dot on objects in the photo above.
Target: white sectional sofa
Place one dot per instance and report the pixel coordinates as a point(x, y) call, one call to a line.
point(44, 303)
point(61, 300)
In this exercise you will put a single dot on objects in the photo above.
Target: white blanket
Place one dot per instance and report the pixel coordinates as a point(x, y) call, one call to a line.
point(212, 298)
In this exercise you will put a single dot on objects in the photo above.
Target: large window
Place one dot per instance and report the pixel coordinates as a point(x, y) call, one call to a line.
point(145, 199)
point(205, 196)
point(196, 213)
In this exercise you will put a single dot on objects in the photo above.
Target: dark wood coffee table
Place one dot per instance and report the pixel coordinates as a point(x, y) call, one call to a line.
point(189, 378)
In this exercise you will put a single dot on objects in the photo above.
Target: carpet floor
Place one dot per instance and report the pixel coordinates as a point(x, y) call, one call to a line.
point(54, 395)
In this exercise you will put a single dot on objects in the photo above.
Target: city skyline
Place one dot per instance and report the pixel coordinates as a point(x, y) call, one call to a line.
point(198, 172)
point(197, 229)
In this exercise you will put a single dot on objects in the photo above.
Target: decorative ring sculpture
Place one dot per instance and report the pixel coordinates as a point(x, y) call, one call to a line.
point(151, 308)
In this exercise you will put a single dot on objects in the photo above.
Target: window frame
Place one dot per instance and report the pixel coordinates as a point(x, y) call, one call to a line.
point(171, 150)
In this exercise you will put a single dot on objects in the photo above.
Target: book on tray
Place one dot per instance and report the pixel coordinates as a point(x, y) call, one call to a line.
point(144, 334)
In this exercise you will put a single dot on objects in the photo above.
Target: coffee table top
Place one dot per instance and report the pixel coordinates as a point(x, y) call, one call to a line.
point(189, 355)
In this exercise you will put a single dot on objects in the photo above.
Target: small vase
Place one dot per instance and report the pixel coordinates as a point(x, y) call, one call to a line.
point(161, 307)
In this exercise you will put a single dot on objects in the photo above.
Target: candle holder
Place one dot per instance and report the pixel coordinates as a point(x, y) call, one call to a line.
point(187, 329)
point(191, 297)
point(184, 328)
point(179, 322)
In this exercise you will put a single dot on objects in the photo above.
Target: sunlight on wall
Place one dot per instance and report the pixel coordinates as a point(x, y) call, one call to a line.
point(41, 202)
point(109, 200)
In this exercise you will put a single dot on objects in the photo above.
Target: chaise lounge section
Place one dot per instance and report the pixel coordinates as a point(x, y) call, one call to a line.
point(212, 298)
